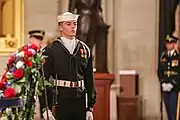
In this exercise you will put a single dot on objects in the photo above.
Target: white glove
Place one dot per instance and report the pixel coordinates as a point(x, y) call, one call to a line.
point(167, 87)
point(51, 117)
point(89, 115)
point(170, 86)
point(164, 87)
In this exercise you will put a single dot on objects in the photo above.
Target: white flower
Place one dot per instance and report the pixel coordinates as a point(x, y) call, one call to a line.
point(4, 118)
point(1, 95)
point(21, 54)
point(17, 55)
point(19, 64)
point(9, 74)
point(32, 51)
point(17, 88)
point(8, 111)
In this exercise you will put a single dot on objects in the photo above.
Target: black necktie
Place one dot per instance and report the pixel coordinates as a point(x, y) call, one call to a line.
point(169, 54)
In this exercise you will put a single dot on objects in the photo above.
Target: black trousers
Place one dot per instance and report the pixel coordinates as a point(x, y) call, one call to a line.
point(70, 108)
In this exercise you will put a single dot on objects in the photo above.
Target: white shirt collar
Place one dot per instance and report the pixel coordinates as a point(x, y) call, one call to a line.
point(69, 44)
point(171, 52)
point(64, 38)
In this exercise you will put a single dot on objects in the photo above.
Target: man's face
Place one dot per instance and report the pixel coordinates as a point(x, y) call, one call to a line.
point(37, 42)
point(170, 46)
point(68, 28)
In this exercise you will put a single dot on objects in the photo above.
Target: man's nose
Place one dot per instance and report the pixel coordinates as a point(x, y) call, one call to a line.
point(73, 26)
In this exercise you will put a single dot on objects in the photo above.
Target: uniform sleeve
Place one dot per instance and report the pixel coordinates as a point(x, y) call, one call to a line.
point(89, 83)
point(48, 63)
point(47, 72)
point(160, 70)
point(176, 80)
point(160, 73)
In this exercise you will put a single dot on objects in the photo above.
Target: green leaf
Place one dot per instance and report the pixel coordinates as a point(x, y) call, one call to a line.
point(33, 70)
point(33, 60)
point(11, 80)
point(46, 83)
point(22, 80)
point(9, 75)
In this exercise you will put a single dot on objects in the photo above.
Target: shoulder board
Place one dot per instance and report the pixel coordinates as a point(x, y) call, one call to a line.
point(85, 46)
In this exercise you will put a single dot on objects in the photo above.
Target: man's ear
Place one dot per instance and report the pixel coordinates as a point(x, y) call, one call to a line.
point(60, 28)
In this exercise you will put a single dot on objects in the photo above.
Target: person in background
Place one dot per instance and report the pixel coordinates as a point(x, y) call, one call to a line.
point(169, 77)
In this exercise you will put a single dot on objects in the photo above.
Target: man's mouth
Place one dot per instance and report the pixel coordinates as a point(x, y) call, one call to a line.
point(73, 31)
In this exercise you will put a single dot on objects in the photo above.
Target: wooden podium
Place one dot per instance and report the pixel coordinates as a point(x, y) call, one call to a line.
point(103, 82)
point(129, 102)
point(129, 81)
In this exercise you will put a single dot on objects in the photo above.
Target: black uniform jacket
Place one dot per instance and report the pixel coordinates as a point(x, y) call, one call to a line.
point(62, 65)
point(169, 69)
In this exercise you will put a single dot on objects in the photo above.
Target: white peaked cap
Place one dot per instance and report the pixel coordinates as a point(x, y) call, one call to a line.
point(67, 16)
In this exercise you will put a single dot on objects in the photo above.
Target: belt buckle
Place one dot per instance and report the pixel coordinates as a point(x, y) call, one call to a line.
point(74, 84)
point(64, 83)
point(71, 84)
point(168, 73)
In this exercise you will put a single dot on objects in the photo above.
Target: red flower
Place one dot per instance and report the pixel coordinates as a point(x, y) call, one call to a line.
point(33, 46)
point(2, 85)
point(25, 48)
point(11, 59)
point(17, 74)
point(4, 78)
point(29, 63)
point(28, 53)
point(9, 92)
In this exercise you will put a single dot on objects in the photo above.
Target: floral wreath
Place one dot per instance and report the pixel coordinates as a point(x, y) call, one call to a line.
point(23, 79)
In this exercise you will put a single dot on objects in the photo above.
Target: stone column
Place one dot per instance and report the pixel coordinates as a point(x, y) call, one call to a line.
point(136, 47)
point(113, 101)
point(109, 19)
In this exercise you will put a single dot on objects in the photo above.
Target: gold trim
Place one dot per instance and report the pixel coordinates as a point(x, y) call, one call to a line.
point(9, 43)
point(178, 106)
point(37, 34)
